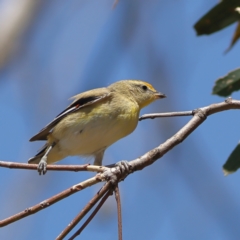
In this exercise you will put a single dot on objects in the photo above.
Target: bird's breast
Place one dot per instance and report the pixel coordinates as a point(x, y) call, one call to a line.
point(85, 133)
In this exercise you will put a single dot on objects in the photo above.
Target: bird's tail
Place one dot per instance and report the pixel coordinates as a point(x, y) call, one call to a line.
point(36, 159)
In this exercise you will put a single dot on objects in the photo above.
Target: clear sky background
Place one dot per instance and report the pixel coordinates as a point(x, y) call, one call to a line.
point(73, 46)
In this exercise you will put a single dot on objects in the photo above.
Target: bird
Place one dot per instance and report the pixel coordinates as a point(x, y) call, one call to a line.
point(93, 121)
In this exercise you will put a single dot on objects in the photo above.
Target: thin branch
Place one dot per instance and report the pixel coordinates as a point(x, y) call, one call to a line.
point(199, 116)
point(48, 202)
point(118, 200)
point(115, 174)
point(115, 4)
point(168, 114)
point(103, 200)
point(73, 168)
point(85, 210)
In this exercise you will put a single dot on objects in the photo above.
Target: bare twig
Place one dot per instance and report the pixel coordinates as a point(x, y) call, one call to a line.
point(118, 200)
point(103, 200)
point(115, 174)
point(169, 114)
point(199, 116)
point(115, 4)
point(48, 202)
point(73, 168)
point(85, 210)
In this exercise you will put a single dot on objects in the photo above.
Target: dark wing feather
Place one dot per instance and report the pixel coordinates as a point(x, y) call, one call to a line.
point(36, 159)
point(81, 100)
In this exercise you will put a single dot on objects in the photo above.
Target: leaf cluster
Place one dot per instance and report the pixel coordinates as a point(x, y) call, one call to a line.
point(222, 15)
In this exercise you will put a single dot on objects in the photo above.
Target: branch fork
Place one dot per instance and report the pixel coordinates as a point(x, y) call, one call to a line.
point(112, 175)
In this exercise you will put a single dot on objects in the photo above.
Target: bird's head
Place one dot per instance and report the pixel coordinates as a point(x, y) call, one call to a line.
point(142, 92)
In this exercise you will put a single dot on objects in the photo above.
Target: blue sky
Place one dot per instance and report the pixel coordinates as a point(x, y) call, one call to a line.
point(73, 46)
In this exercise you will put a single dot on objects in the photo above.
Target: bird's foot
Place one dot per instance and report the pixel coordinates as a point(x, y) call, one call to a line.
point(125, 168)
point(42, 166)
point(117, 172)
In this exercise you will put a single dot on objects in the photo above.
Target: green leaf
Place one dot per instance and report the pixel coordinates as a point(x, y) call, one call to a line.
point(226, 85)
point(233, 162)
point(219, 17)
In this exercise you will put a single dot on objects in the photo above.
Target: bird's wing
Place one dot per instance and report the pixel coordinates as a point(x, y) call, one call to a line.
point(80, 101)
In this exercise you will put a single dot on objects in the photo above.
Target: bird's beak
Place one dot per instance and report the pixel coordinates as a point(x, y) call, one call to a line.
point(159, 95)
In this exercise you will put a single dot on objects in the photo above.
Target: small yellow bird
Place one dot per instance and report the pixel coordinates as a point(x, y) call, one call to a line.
point(94, 121)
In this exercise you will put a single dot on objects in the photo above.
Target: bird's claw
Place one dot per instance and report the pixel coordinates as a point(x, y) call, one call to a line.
point(42, 166)
point(117, 172)
point(124, 167)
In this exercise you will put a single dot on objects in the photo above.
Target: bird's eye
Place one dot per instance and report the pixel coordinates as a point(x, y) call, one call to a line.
point(144, 87)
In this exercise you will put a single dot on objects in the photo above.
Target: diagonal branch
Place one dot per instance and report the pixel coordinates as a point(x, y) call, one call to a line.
point(48, 202)
point(116, 174)
point(85, 210)
point(103, 200)
point(199, 116)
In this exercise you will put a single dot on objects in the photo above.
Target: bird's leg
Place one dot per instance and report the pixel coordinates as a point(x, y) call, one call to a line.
point(42, 166)
point(124, 167)
point(98, 158)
